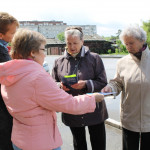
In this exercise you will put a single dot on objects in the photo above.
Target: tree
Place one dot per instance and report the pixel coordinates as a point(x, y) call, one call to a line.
point(146, 27)
point(118, 33)
point(61, 36)
point(121, 48)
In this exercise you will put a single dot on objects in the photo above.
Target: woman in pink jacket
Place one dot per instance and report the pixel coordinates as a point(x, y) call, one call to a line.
point(32, 96)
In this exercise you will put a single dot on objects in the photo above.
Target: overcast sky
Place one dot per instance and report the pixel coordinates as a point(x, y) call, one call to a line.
point(108, 15)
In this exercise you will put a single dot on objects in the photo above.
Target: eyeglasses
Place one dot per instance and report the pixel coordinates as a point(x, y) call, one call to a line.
point(45, 50)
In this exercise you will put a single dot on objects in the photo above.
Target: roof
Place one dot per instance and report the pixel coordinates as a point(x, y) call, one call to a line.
point(54, 41)
point(94, 37)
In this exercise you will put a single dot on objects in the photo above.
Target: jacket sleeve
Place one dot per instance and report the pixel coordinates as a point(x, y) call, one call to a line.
point(4, 56)
point(100, 79)
point(51, 97)
point(116, 83)
point(54, 72)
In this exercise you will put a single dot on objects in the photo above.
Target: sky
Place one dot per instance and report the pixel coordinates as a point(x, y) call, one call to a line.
point(109, 16)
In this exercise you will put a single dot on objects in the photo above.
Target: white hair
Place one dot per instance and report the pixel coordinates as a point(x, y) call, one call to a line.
point(133, 31)
point(74, 32)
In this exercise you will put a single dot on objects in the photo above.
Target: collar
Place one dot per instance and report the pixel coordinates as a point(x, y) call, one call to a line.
point(82, 53)
point(139, 54)
point(144, 55)
point(3, 43)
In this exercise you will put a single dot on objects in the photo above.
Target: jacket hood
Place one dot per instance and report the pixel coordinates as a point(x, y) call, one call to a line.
point(14, 70)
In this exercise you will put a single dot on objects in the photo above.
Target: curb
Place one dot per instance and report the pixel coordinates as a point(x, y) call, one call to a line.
point(102, 56)
point(111, 56)
point(113, 123)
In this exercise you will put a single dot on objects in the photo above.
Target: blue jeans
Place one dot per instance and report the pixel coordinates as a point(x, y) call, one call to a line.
point(59, 148)
point(16, 148)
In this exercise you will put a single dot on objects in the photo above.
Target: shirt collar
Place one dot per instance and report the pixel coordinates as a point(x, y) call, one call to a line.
point(80, 54)
point(3, 43)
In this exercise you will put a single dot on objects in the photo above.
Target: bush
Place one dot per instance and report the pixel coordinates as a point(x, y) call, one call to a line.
point(121, 48)
point(117, 50)
point(109, 51)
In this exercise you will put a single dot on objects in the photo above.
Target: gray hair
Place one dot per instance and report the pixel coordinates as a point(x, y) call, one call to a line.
point(25, 41)
point(74, 31)
point(133, 31)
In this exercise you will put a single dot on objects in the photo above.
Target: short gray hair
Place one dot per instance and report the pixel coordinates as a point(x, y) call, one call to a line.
point(74, 31)
point(133, 31)
point(25, 41)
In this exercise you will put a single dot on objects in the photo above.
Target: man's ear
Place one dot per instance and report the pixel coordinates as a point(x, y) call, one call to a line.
point(1, 36)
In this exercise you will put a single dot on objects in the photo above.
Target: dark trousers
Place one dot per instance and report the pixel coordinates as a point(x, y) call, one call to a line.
point(134, 140)
point(5, 131)
point(97, 137)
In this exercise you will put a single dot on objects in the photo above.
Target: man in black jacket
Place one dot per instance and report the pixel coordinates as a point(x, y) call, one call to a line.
point(8, 26)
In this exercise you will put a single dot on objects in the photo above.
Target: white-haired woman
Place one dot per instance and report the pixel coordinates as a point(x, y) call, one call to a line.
point(89, 69)
point(133, 80)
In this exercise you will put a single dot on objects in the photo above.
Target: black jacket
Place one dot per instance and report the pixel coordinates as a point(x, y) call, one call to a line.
point(90, 68)
point(5, 117)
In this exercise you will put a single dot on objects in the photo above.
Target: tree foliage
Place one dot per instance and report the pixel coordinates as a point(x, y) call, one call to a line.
point(146, 27)
point(61, 36)
point(121, 47)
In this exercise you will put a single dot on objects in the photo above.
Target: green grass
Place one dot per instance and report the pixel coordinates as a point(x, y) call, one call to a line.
point(116, 54)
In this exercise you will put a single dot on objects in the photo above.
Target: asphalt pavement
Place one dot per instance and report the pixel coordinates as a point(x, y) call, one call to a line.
point(113, 135)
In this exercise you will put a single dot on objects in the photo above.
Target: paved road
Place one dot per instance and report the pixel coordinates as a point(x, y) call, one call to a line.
point(113, 137)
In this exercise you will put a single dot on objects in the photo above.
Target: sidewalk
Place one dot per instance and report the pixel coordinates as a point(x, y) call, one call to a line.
point(113, 135)
point(111, 56)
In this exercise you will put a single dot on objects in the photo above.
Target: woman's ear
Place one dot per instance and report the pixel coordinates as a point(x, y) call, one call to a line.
point(32, 54)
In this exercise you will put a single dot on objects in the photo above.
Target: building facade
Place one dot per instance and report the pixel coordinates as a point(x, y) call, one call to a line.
point(50, 29)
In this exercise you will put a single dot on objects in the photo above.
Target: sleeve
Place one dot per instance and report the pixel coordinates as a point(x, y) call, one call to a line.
point(54, 72)
point(100, 79)
point(51, 97)
point(4, 56)
point(116, 84)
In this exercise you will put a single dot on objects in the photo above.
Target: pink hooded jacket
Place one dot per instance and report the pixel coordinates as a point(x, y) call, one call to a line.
point(32, 97)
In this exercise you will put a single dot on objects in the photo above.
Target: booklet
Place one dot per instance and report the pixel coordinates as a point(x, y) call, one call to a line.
point(69, 80)
point(106, 94)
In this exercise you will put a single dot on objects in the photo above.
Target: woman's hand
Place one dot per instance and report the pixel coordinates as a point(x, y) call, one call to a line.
point(106, 89)
point(62, 86)
point(98, 97)
point(80, 85)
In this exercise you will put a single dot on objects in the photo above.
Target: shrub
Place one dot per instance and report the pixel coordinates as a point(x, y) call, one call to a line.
point(109, 51)
point(117, 50)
